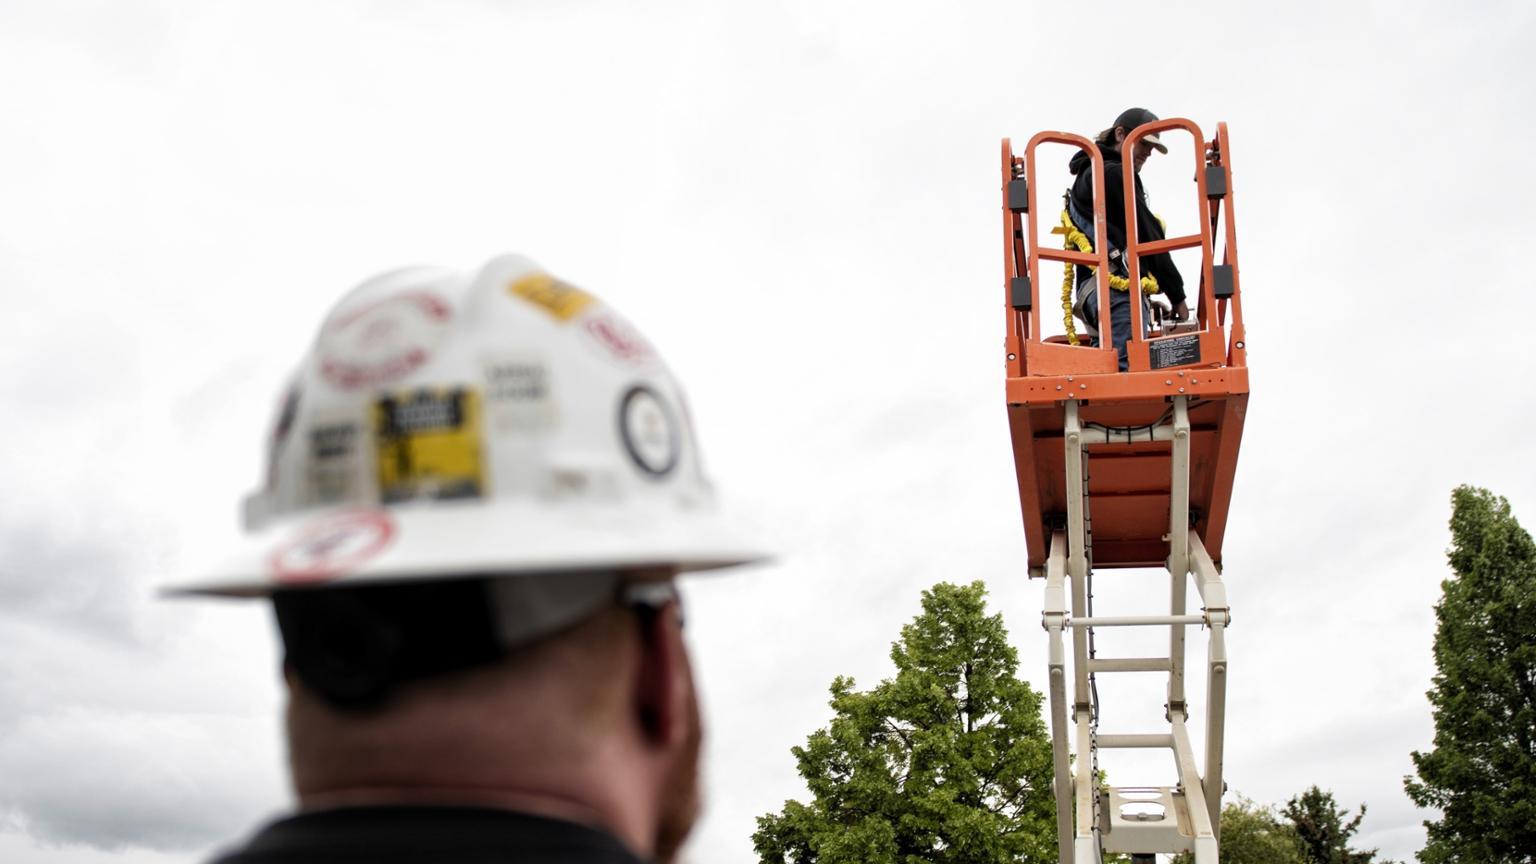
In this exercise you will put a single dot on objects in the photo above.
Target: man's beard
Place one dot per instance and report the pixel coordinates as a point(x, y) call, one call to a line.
point(680, 801)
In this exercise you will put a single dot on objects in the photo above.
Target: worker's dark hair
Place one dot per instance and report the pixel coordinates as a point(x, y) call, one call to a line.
point(1129, 119)
point(354, 646)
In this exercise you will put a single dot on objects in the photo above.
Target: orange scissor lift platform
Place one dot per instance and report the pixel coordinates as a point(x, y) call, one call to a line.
point(1129, 484)
point(1161, 440)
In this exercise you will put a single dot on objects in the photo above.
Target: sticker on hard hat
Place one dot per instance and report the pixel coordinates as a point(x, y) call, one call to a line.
point(561, 300)
point(650, 431)
point(517, 395)
point(617, 338)
point(332, 546)
point(382, 341)
point(280, 431)
point(286, 415)
point(427, 443)
point(333, 462)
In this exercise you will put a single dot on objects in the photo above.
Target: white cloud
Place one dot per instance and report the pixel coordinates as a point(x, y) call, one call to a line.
point(115, 780)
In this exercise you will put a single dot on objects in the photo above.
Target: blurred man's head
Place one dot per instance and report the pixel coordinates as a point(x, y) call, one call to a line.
point(479, 489)
point(597, 723)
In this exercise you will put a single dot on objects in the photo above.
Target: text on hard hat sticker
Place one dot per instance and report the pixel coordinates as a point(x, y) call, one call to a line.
point(561, 300)
point(382, 341)
point(617, 338)
point(517, 395)
point(428, 445)
point(332, 475)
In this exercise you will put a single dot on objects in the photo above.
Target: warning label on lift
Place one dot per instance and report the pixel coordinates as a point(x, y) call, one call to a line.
point(1175, 351)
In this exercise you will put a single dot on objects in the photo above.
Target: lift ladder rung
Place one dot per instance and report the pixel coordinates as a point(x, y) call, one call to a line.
point(1134, 742)
point(1135, 620)
point(1130, 664)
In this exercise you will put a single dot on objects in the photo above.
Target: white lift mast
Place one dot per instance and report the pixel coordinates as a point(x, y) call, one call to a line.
point(1140, 820)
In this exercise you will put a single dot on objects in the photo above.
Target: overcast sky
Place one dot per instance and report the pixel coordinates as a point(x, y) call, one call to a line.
point(798, 202)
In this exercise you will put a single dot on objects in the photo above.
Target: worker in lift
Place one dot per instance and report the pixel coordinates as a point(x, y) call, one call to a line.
point(1080, 205)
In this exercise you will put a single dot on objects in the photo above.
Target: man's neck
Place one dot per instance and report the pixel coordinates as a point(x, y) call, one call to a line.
point(610, 806)
point(554, 806)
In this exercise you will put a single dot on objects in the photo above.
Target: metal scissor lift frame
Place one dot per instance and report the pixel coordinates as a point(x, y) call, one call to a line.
point(1163, 492)
point(1089, 817)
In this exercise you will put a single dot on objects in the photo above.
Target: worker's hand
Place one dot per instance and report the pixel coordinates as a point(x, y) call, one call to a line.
point(1180, 311)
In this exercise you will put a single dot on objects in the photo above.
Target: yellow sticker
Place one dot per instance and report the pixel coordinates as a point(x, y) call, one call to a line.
point(560, 299)
point(428, 445)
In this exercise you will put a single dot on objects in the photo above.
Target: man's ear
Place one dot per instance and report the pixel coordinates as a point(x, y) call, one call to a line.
point(662, 688)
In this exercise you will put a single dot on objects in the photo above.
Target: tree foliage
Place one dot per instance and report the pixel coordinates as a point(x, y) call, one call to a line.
point(946, 762)
point(1251, 834)
point(1481, 774)
point(1324, 829)
point(1310, 829)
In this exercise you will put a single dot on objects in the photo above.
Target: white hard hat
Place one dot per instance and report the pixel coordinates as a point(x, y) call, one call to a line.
point(447, 426)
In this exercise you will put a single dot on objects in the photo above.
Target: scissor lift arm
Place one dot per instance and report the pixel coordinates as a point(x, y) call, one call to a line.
point(1191, 808)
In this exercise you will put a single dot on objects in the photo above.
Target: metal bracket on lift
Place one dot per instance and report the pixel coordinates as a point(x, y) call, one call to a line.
point(1018, 195)
point(1185, 816)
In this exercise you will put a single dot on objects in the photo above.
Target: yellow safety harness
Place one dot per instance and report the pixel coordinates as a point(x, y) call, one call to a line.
point(1076, 238)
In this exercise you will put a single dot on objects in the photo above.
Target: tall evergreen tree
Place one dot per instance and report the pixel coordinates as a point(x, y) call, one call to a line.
point(1324, 828)
point(1481, 774)
point(948, 762)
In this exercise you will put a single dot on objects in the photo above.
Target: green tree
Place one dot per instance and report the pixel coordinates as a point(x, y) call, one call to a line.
point(1481, 774)
point(947, 762)
point(1324, 828)
point(1251, 834)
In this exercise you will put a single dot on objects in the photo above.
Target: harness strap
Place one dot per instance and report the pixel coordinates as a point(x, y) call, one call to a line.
point(1073, 237)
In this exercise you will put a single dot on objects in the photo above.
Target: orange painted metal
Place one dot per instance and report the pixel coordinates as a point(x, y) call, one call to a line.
point(1128, 481)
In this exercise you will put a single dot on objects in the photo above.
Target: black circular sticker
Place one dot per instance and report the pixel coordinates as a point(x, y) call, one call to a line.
point(650, 431)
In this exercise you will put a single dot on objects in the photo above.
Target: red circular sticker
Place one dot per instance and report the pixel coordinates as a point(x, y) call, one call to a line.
point(332, 546)
point(618, 338)
point(384, 340)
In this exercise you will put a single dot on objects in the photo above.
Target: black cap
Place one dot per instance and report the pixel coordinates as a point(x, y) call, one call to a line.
point(1130, 118)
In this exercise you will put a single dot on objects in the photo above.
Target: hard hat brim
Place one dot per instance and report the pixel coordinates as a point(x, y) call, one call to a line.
point(351, 546)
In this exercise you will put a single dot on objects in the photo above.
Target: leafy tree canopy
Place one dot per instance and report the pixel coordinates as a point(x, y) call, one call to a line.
point(1251, 834)
point(1481, 773)
point(946, 762)
point(1310, 829)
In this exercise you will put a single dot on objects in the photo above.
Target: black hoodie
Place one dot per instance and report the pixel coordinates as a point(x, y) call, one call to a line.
point(1148, 228)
